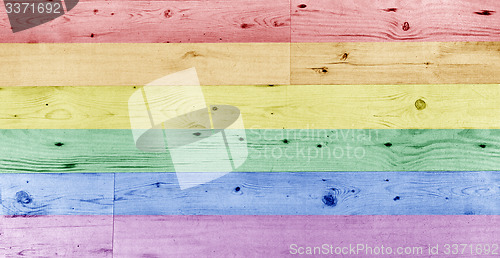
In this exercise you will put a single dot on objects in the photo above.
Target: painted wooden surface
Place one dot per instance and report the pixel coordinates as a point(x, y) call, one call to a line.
point(162, 21)
point(57, 236)
point(271, 236)
point(192, 236)
point(251, 64)
point(88, 150)
point(263, 21)
point(312, 193)
point(276, 107)
point(305, 193)
point(366, 20)
point(56, 194)
point(395, 63)
point(141, 63)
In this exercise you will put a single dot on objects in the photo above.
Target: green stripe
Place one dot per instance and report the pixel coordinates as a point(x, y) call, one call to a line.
point(114, 150)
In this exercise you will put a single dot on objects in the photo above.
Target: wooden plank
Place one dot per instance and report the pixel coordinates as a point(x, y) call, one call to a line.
point(251, 64)
point(57, 194)
point(106, 107)
point(162, 21)
point(305, 193)
point(3, 247)
point(289, 107)
point(395, 63)
point(312, 193)
point(133, 64)
point(365, 20)
point(89, 150)
point(271, 236)
point(57, 236)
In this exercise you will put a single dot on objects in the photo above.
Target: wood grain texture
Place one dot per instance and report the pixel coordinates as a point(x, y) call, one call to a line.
point(57, 236)
point(365, 20)
point(132, 64)
point(276, 107)
point(395, 63)
point(56, 194)
point(162, 21)
point(305, 193)
point(312, 193)
point(271, 236)
point(87, 150)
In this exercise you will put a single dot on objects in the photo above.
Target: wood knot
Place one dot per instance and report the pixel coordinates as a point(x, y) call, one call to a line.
point(237, 190)
point(191, 54)
point(246, 25)
point(391, 10)
point(167, 13)
point(278, 24)
point(330, 200)
point(406, 26)
point(485, 12)
point(321, 70)
point(344, 56)
point(420, 104)
point(302, 6)
point(23, 197)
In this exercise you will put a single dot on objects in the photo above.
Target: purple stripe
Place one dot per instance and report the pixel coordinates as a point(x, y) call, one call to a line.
point(272, 236)
point(223, 236)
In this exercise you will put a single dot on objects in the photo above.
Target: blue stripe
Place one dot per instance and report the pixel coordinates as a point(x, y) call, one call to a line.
point(304, 193)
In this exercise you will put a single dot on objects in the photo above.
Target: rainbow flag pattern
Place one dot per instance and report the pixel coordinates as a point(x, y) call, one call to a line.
point(249, 128)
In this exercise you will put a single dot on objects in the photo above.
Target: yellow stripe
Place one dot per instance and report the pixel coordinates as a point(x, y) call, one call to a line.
point(266, 107)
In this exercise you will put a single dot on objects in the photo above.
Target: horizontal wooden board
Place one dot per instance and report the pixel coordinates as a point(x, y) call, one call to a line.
point(114, 150)
point(306, 193)
point(272, 236)
point(395, 63)
point(133, 64)
point(57, 236)
point(312, 193)
point(276, 107)
point(263, 21)
point(162, 21)
point(251, 63)
point(56, 194)
point(366, 20)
